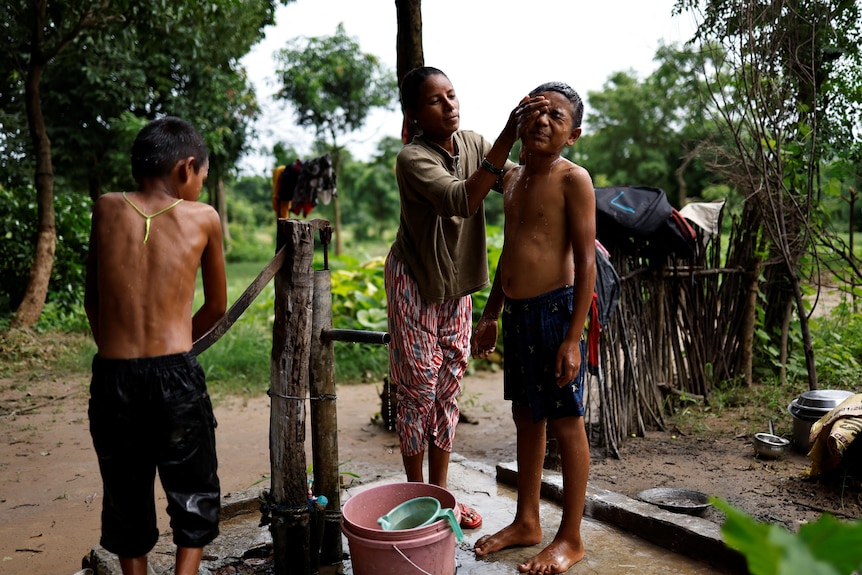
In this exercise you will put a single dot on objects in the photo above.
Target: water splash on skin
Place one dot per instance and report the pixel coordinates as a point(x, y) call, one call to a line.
point(539, 220)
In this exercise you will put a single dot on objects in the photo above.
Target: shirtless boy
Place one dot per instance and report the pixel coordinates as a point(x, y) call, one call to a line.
point(546, 276)
point(149, 408)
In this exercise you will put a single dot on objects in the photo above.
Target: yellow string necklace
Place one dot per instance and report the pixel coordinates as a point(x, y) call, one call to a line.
point(149, 217)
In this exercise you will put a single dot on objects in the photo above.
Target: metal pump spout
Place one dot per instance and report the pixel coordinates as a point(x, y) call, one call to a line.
point(356, 336)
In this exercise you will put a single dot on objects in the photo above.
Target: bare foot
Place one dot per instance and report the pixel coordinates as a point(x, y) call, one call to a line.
point(515, 535)
point(557, 557)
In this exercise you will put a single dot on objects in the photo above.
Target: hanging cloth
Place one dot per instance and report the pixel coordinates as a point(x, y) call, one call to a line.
point(316, 182)
point(283, 185)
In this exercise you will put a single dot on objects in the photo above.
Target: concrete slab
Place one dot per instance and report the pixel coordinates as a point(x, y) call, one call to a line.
point(621, 535)
point(684, 534)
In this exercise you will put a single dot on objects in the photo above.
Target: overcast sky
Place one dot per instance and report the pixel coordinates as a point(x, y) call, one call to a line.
point(494, 51)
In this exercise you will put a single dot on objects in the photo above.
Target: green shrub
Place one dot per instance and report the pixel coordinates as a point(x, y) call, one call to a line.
point(495, 248)
point(839, 349)
point(240, 361)
point(359, 297)
point(359, 302)
point(249, 245)
point(18, 229)
point(58, 318)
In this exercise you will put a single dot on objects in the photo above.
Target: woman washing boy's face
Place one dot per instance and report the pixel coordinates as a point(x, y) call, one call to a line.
point(553, 129)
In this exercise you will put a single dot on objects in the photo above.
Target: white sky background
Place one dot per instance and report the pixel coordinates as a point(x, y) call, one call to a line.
point(494, 52)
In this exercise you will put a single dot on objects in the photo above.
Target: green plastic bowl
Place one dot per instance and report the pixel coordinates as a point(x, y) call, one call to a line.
point(419, 512)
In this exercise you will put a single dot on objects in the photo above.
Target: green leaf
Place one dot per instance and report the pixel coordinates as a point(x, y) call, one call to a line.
point(750, 538)
point(826, 547)
point(838, 542)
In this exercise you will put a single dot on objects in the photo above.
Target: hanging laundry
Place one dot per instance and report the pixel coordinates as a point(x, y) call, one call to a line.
point(316, 182)
point(276, 181)
point(283, 185)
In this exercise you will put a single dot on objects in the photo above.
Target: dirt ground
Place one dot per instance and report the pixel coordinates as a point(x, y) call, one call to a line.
point(50, 492)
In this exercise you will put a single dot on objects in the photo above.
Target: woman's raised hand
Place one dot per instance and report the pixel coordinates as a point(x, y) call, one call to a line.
point(526, 109)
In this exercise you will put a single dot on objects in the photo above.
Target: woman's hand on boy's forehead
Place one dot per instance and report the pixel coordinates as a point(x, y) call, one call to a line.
point(532, 104)
point(528, 109)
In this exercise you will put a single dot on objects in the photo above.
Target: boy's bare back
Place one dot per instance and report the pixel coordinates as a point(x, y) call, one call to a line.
point(146, 248)
point(146, 291)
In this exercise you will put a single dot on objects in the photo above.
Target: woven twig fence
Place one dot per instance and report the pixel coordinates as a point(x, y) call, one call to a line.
point(676, 332)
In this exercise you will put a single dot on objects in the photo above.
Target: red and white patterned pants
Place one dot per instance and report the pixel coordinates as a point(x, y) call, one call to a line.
point(428, 353)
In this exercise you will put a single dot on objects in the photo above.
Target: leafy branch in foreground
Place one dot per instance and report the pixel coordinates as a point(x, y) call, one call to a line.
point(826, 547)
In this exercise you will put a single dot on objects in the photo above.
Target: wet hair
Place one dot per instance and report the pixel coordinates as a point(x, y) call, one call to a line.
point(412, 82)
point(571, 96)
point(164, 142)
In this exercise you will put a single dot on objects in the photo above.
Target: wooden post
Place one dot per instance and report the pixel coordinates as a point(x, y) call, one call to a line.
point(324, 424)
point(289, 373)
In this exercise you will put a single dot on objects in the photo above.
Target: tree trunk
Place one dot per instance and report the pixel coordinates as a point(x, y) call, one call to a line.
point(409, 39)
point(851, 227)
point(31, 306)
point(336, 168)
point(680, 173)
point(408, 46)
point(748, 322)
point(805, 328)
point(784, 345)
point(337, 214)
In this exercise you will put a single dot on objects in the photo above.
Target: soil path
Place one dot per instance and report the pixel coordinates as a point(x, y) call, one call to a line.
point(50, 490)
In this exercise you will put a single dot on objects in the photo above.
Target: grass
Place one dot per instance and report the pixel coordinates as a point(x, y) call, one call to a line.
point(29, 355)
point(237, 364)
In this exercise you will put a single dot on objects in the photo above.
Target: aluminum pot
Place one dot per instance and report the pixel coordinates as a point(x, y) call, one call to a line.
point(808, 408)
point(769, 446)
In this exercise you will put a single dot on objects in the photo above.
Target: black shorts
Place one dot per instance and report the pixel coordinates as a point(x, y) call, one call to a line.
point(147, 414)
point(533, 330)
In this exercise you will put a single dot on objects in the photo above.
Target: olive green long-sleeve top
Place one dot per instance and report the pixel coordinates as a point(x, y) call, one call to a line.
point(439, 241)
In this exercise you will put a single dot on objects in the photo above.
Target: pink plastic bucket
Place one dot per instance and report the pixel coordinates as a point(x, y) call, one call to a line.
point(376, 551)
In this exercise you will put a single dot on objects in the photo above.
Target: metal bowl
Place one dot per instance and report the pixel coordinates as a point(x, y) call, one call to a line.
point(770, 446)
point(676, 500)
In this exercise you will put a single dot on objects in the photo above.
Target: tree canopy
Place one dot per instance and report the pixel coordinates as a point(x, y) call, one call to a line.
point(128, 60)
point(779, 111)
point(647, 132)
point(79, 79)
point(332, 84)
point(333, 87)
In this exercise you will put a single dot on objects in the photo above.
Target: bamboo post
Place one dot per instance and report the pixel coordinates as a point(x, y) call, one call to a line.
point(289, 373)
point(324, 424)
